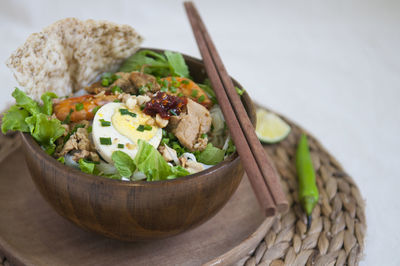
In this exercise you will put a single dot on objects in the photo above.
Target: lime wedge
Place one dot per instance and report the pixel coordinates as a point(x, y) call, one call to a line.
point(270, 127)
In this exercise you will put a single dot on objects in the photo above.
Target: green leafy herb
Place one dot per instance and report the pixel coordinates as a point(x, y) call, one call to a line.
point(148, 127)
point(206, 87)
point(79, 106)
point(117, 101)
point(45, 131)
point(231, 147)
point(68, 117)
point(201, 99)
point(47, 107)
point(124, 163)
point(194, 93)
point(149, 161)
point(211, 155)
point(116, 89)
point(105, 82)
point(177, 64)
point(143, 90)
point(88, 167)
point(203, 136)
point(105, 141)
point(126, 112)
point(28, 116)
point(172, 89)
point(89, 129)
point(61, 160)
point(180, 94)
point(120, 146)
point(159, 65)
point(25, 102)
point(14, 119)
point(105, 123)
point(108, 79)
point(185, 81)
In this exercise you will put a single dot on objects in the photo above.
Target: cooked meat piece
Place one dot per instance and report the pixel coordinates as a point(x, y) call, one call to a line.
point(161, 122)
point(168, 153)
point(125, 83)
point(140, 80)
point(193, 167)
point(80, 144)
point(96, 88)
point(189, 126)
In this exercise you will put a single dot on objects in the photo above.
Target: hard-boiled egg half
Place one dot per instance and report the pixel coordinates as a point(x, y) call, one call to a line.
point(117, 128)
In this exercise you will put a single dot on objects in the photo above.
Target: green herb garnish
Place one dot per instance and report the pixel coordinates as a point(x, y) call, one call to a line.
point(79, 106)
point(180, 94)
point(173, 112)
point(61, 160)
point(105, 141)
point(105, 123)
point(203, 136)
point(185, 81)
point(140, 128)
point(126, 112)
point(89, 129)
point(194, 93)
point(120, 146)
point(68, 117)
point(94, 110)
point(116, 89)
point(201, 99)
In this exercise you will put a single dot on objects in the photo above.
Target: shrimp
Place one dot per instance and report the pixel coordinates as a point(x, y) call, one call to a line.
point(81, 108)
point(191, 90)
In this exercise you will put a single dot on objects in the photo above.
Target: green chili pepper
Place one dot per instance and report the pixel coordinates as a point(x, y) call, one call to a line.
point(308, 191)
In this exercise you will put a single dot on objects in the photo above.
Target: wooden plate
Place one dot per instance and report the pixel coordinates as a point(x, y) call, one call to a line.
point(32, 233)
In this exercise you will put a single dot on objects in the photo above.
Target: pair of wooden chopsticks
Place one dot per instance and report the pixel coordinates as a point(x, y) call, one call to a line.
point(260, 171)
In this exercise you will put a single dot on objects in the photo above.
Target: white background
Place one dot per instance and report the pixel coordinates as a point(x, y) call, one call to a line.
point(331, 66)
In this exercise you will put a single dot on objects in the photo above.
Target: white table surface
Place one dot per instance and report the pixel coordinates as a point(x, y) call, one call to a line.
point(331, 66)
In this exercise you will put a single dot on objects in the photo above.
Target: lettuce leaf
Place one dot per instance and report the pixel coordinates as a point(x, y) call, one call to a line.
point(149, 161)
point(14, 119)
point(45, 131)
point(124, 163)
point(47, 107)
point(26, 102)
point(177, 64)
point(211, 155)
point(87, 167)
point(159, 65)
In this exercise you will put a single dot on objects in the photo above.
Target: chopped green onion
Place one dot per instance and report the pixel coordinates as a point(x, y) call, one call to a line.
point(201, 99)
point(79, 106)
point(172, 89)
point(164, 89)
point(194, 93)
point(105, 141)
point(126, 112)
point(173, 112)
point(68, 118)
point(140, 128)
point(120, 146)
point(105, 82)
point(148, 127)
point(61, 160)
point(180, 94)
point(185, 81)
point(89, 129)
point(239, 91)
point(94, 110)
point(165, 141)
point(105, 123)
point(203, 136)
point(116, 89)
point(143, 90)
point(117, 101)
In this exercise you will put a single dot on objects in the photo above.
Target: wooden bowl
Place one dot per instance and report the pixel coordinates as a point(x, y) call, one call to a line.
point(136, 211)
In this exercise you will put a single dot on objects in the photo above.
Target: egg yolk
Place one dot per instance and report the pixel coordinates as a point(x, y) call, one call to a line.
point(127, 124)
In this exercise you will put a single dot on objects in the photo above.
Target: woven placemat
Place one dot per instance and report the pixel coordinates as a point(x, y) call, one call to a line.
point(336, 236)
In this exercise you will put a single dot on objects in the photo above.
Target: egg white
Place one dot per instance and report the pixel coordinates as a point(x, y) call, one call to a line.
point(98, 131)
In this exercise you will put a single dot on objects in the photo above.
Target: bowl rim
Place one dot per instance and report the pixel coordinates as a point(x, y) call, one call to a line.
point(66, 170)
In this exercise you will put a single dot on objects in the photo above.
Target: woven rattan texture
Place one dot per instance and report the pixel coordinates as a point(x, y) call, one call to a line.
point(336, 236)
